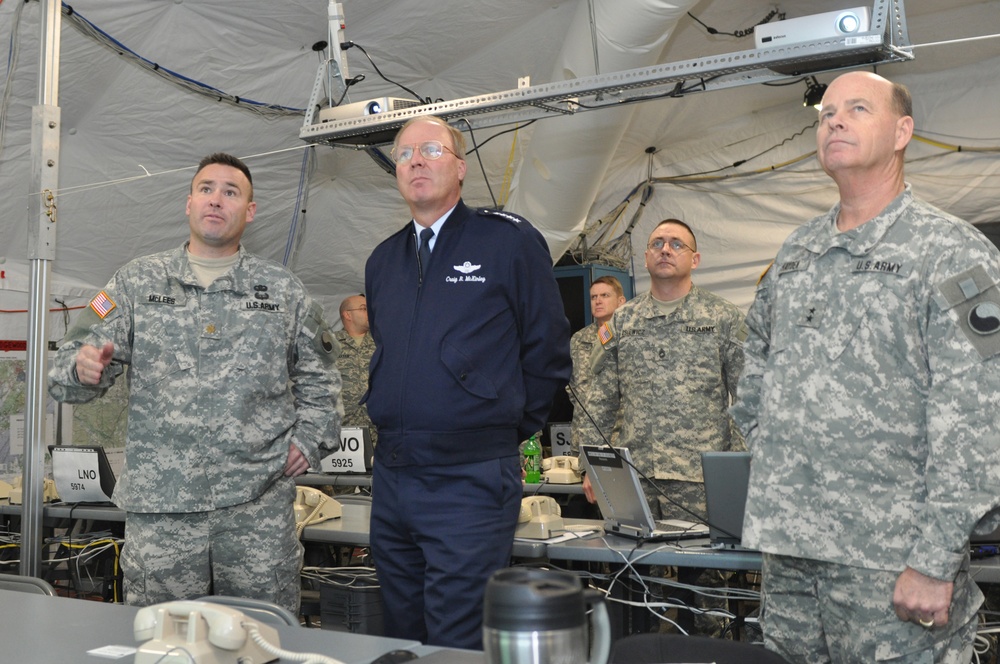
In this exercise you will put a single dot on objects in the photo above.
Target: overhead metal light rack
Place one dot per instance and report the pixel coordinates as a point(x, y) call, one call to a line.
point(884, 42)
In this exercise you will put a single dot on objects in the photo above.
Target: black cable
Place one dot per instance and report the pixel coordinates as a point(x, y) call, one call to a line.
point(347, 86)
point(739, 163)
point(501, 133)
point(538, 487)
point(480, 159)
point(349, 44)
point(746, 32)
point(778, 84)
point(65, 312)
point(90, 30)
point(678, 91)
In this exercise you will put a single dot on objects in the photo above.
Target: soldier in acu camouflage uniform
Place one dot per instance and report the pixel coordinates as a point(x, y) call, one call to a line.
point(869, 404)
point(356, 349)
point(606, 295)
point(667, 368)
point(233, 390)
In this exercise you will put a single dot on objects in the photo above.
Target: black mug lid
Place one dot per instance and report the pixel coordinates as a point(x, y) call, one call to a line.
point(523, 599)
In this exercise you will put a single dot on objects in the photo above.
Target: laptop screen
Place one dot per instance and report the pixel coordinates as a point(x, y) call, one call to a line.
point(726, 477)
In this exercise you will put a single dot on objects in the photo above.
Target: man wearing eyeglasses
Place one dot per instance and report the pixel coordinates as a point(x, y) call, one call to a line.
point(356, 349)
point(666, 369)
point(471, 345)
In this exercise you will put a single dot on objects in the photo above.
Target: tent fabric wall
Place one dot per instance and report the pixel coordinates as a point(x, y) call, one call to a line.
point(566, 161)
point(67, 296)
point(130, 139)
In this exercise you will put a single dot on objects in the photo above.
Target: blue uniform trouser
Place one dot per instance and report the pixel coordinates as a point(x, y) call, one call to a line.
point(437, 535)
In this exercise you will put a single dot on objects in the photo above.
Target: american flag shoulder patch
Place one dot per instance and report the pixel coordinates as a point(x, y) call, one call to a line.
point(604, 334)
point(102, 304)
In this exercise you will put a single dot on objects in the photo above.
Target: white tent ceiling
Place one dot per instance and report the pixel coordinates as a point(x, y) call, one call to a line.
point(130, 138)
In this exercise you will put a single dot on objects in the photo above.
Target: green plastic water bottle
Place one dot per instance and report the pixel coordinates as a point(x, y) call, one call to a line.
point(532, 461)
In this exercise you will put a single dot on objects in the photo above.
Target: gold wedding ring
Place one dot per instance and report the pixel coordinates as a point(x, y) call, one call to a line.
point(926, 623)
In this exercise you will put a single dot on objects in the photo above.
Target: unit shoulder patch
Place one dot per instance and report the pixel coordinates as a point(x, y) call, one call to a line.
point(975, 300)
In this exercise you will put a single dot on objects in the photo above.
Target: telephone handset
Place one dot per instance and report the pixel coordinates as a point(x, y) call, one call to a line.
point(562, 470)
point(540, 518)
point(202, 632)
point(313, 506)
point(16, 493)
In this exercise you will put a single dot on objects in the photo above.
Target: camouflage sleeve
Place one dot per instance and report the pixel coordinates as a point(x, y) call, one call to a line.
point(316, 385)
point(107, 318)
point(732, 353)
point(603, 399)
point(963, 352)
point(755, 349)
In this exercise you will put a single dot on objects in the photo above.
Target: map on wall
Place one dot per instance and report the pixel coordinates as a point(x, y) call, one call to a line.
point(101, 422)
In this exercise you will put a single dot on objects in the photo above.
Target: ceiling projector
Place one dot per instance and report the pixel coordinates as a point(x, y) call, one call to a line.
point(829, 25)
point(362, 108)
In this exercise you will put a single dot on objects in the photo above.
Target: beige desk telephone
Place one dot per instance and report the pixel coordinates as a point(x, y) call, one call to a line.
point(16, 494)
point(562, 470)
point(5, 489)
point(540, 518)
point(204, 633)
point(313, 506)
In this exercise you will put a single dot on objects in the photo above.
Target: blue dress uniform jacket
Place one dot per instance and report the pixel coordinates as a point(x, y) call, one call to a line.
point(470, 354)
point(470, 351)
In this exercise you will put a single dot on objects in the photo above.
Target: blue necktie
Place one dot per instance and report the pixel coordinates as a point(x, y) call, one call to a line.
point(424, 253)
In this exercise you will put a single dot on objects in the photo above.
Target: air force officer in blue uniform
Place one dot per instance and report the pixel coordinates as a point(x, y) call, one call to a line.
point(471, 346)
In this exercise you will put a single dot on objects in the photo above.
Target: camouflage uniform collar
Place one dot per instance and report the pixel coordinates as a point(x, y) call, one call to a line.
point(236, 280)
point(821, 234)
point(345, 338)
point(650, 309)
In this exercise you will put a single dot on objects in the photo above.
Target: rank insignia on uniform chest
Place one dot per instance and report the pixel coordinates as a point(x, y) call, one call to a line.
point(810, 316)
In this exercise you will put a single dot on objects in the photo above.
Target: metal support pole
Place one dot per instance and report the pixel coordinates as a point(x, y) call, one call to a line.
point(42, 216)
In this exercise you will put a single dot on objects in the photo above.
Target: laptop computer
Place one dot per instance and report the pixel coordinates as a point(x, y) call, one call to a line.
point(622, 501)
point(82, 474)
point(986, 545)
point(727, 475)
